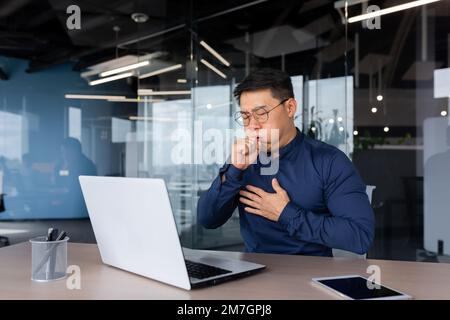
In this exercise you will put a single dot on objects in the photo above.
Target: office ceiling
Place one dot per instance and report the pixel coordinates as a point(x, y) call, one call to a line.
point(309, 34)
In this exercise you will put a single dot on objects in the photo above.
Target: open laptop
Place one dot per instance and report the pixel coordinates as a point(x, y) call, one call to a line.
point(135, 230)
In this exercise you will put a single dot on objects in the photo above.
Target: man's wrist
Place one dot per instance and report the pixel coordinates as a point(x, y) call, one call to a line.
point(289, 212)
point(229, 171)
point(281, 208)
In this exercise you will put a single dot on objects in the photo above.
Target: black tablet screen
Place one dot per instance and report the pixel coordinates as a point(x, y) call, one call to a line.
point(357, 288)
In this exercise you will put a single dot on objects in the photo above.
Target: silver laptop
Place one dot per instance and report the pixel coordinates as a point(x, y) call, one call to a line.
point(135, 230)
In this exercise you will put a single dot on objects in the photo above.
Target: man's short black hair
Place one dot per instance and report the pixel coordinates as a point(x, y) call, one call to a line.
point(277, 81)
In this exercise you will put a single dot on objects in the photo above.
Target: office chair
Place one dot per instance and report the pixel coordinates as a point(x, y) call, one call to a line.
point(347, 254)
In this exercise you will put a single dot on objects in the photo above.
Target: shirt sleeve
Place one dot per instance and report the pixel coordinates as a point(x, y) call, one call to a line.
point(350, 224)
point(218, 203)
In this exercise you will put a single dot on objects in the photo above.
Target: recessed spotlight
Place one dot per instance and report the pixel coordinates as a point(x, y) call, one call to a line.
point(340, 119)
point(355, 133)
point(386, 129)
point(379, 97)
point(331, 121)
point(374, 110)
point(443, 113)
point(341, 129)
point(139, 17)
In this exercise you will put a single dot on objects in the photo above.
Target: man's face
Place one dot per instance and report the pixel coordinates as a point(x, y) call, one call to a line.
point(280, 118)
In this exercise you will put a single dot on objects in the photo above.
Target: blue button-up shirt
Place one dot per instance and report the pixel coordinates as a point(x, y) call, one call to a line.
point(328, 206)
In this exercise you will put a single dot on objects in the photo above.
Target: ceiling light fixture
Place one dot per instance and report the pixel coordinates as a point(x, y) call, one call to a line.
point(163, 70)
point(209, 65)
point(214, 53)
point(125, 68)
point(149, 92)
point(112, 78)
point(135, 100)
point(93, 97)
point(381, 12)
point(139, 17)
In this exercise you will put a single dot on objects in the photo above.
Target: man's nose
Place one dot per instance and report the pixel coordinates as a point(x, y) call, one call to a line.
point(253, 124)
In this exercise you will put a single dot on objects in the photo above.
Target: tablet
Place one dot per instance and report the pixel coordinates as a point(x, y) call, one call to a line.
point(355, 287)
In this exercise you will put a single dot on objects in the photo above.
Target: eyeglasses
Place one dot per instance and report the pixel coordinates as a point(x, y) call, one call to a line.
point(260, 114)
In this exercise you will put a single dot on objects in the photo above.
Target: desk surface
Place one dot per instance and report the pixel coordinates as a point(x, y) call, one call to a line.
point(286, 277)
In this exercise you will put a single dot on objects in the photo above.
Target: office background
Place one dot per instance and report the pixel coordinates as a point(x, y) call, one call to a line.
point(379, 91)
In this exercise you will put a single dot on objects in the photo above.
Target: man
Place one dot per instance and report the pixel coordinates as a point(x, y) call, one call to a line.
point(314, 202)
point(72, 164)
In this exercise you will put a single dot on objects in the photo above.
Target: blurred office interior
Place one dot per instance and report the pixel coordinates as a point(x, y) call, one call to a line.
point(377, 89)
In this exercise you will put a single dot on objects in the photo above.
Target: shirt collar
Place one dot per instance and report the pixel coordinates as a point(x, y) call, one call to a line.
point(292, 145)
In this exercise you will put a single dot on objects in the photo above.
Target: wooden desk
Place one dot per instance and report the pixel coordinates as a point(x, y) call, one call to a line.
point(286, 277)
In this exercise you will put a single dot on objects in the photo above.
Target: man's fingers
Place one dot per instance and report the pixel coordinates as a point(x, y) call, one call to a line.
point(251, 147)
point(246, 147)
point(276, 186)
point(250, 203)
point(254, 211)
point(260, 192)
point(249, 195)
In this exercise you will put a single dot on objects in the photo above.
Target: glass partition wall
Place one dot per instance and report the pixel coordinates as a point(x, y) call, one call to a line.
point(376, 89)
point(399, 62)
point(187, 137)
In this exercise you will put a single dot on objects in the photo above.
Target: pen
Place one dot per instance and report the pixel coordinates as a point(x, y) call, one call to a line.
point(61, 236)
point(53, 232)
point(52, 263)
point(48, 238)
point(49, 234)
point(50, 250)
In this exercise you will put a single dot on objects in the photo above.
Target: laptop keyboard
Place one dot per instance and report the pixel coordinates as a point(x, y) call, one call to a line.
point(203, 271)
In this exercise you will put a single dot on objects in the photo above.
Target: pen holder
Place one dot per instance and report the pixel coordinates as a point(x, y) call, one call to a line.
point(48, 259)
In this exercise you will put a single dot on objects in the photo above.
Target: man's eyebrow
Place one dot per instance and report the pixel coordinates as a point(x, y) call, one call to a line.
point(257, 107)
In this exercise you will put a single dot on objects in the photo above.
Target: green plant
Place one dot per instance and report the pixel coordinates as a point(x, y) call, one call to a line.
point(366, 141)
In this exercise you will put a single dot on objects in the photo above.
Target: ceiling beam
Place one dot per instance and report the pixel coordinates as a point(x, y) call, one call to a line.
point(44, 62)
point(9, 7)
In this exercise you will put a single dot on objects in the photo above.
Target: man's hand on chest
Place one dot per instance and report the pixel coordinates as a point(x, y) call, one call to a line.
point(265, 204)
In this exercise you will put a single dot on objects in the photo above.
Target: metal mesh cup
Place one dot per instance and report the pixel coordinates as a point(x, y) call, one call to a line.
point(48, 259)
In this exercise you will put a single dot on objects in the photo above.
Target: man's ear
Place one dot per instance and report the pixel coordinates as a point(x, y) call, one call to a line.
point(291, 107)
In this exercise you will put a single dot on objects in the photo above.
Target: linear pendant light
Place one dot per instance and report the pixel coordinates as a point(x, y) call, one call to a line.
point(381, 12)
point(93, 97)
point(209, 65)
point(124, 68)
point(112, 78)
point(214, 53)
point(149, 92)
point(163, 70)
point(135, 100)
